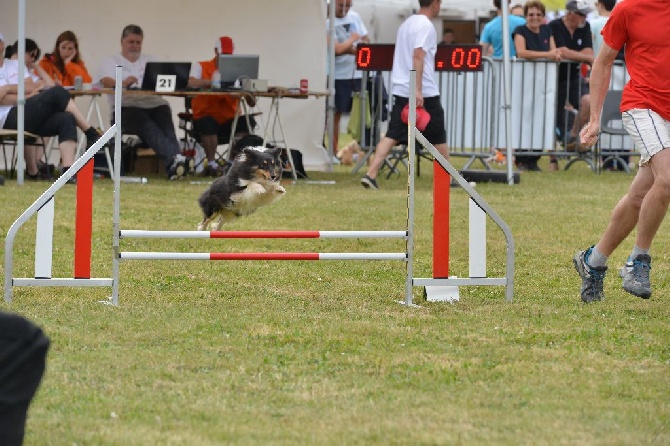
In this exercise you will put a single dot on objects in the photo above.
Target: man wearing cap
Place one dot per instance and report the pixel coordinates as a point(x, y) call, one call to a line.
point(349, 32)
point(213, 115)
point(147, 116)
point(416, 44)
point(642, 27)
point(572, 34)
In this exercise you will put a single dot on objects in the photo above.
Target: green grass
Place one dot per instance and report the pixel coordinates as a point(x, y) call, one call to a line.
point(209, 353)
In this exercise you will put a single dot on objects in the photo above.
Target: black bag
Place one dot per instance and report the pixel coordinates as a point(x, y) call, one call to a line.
point(255, 141)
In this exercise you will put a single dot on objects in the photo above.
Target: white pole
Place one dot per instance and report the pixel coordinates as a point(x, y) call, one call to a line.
point(331, 87)
point(507, 90)
point(20, 162)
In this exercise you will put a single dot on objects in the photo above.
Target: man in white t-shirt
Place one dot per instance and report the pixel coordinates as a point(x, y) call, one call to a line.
point(604, 8)
point(349, 32)
point(415, 47)
point(147, 116)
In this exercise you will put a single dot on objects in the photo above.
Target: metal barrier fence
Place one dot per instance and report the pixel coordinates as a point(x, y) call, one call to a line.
point(474, 114)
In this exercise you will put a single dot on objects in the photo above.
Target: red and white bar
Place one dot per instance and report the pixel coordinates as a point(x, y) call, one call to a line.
point(262, 256)
point(132, 233)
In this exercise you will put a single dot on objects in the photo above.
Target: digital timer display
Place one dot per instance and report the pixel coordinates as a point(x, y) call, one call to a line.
point(379, 57)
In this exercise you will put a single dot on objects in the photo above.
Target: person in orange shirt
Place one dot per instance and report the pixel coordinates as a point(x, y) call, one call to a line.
point(213, 114)
point(65, 63)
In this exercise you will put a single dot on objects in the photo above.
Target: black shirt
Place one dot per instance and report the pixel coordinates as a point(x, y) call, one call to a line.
point(535, 42)
point(579, 40)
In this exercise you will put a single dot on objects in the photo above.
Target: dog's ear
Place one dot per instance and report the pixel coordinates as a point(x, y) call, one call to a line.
point(274, 152)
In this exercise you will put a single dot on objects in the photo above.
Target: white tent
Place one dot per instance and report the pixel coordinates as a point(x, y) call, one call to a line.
point(289, 36)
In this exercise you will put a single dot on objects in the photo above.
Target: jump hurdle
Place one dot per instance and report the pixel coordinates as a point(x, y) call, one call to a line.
point(439, 281)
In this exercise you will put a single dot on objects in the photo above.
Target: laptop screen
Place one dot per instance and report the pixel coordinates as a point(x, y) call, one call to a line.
point(153, 69)
point(237, 66)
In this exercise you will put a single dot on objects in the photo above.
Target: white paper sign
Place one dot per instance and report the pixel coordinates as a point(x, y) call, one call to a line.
point(166, 82)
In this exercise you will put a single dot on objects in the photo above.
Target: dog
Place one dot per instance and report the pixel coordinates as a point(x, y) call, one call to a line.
point(350, 153)
point(251, 182)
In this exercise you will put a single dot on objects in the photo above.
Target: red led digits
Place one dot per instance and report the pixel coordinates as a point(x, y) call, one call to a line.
point(379, 57)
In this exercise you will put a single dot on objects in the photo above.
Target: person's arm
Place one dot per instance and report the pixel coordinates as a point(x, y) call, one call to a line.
point(601, 74)
point(585, 55)
point(417, 64)
point(74, 69)
point(46, 79)
point(107, 72)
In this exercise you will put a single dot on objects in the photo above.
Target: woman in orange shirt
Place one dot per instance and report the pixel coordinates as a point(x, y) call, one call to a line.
point(64, 64)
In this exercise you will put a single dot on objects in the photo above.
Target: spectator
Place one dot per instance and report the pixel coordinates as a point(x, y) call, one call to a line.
point(643, 26)
point(23, 351)
point(604, 8)
point(534, 41)
point(42, 80)
point(517, 10)
point(448, 37)
point(213, 115)
point(416, 44)
point(349, 32)
point(573, 38)
point(65, 63)
point(38, 75)
point(147, 116)
point(48, 113)
point(492, 40)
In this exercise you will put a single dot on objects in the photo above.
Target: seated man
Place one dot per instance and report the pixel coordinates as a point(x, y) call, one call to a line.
point(213, 115)
point(147, 116)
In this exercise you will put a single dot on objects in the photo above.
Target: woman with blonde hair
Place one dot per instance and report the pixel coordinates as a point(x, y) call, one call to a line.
point(65, 63)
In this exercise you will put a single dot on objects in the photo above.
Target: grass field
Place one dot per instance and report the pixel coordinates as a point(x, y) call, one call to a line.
point(210, 353)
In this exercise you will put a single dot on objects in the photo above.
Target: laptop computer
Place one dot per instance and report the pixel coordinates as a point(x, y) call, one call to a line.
point(237, 66)
point(153, 69)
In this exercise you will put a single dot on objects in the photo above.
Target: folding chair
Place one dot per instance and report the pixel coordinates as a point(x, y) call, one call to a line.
point(10, 138)
point(611, 124)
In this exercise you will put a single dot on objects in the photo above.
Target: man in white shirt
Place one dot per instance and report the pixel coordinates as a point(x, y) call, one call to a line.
point(349, 32)
point(147, 116)
point(416, 44)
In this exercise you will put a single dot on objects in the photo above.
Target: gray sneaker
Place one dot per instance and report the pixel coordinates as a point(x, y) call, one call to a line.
point(369, 183)
point(592, 277)
point(635, 275)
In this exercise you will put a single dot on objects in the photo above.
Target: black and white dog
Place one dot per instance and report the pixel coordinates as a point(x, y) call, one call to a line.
point(251, 182)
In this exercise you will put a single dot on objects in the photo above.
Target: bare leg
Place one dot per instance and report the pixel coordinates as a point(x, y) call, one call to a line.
point(381, 152)
point(626, 213)
point(67, 150)
point(582, 115)
point(209, 143)
point(655, 204)
point(336, 132)
point(30, 155)
point(82, 123)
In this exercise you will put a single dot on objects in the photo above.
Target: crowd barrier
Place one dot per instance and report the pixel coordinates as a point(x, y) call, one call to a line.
point(475, 117)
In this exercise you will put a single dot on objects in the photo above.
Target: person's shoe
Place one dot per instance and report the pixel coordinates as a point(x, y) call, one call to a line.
point(46, 171)
point(92, 136)
point(635, 275)
point(178, 169)
point(592, 277)
point(369, 183)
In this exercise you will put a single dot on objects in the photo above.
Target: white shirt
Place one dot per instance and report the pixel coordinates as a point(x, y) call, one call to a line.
point(415, 32)
point(108, 69)
point(9, 75)
point(597, 25)
point(345, 64)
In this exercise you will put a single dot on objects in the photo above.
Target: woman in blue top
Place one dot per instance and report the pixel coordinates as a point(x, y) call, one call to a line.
point(535, 41)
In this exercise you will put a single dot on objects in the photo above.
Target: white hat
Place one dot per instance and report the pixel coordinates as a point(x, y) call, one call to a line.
point(2, 37)
point(580, 6)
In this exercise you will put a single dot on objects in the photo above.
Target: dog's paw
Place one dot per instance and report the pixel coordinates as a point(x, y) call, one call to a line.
point(255, 188)
point(280, 190)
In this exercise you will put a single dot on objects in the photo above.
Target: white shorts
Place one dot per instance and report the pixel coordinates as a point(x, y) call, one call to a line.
point(648, 130)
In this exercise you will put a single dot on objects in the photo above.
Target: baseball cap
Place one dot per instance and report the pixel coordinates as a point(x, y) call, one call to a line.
point(579, 6)
point(225, 45)
point(422, 117)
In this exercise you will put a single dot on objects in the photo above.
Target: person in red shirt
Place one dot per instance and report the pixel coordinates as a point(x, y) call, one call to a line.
point(645, 108)
point(65, 63)
point(213, 115)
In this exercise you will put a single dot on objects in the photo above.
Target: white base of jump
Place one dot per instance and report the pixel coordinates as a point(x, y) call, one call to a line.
point(442, 294)
point(19, 281)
